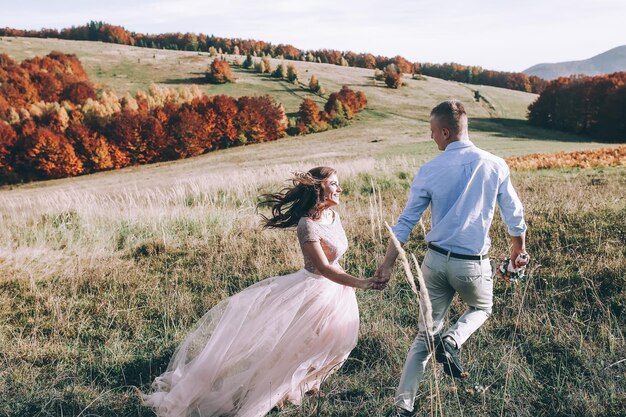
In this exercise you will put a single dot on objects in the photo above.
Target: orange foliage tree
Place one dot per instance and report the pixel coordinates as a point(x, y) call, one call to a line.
point(15, 84)
point(47, 154)
point(220, 72)
point(47, 85)
point(224, 132)
point(353, 101)
point(131, 132)
point(79, 92)
point(7, 141)
point(260, 119)
point(393, 76)
point(310, 118)
point(343, 105)
point(94, 150)
point(188, 132)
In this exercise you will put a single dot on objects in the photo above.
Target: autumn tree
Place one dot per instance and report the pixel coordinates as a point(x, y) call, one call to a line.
point(353, 101)
point(139, 137)
point(280, 72)
point(310, 118)
point(260, 119)
point(343, 105)
point(314, 86)
point(7, 141)
point(224, 133)
point(220, 72)
point(335, 111)
point(188, 133)
point(292, 73)
point(393, 76)
point(79, 92)
point(94, 150)
point(49, 87)
point(15, 84)
point(49, 155)
point(266, 65)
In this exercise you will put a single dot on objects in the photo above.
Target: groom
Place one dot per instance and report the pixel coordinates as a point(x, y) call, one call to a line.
point(462, 186)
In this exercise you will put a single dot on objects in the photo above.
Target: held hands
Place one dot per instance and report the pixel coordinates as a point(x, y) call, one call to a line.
point(379, 280)
point(383, 273)
point(373, 284)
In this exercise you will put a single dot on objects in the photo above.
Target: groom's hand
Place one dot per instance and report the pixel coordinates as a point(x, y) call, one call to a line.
point(383, 273)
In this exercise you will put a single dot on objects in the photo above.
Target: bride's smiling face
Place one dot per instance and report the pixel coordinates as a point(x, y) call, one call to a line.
point(332, 190)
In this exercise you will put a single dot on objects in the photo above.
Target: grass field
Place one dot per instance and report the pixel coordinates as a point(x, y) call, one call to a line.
point(102, 275)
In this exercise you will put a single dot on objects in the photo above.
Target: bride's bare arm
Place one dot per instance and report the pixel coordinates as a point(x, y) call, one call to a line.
point(314, 251)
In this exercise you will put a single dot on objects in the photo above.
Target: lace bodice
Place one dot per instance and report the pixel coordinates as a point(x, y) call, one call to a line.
point(332, 237)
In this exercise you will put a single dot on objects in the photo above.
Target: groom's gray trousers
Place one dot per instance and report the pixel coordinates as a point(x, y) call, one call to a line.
point(444, 276)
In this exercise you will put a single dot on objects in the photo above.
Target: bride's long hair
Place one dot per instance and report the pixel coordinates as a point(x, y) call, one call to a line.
point(304, 198)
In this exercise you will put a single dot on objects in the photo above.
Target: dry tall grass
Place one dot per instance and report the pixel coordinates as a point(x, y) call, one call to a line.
point(96, 289)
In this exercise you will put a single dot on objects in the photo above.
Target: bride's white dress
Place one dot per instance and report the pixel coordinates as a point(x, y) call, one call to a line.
point(273, 341)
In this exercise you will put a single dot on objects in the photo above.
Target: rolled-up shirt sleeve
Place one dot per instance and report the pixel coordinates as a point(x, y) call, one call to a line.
point(419, 199)
point(511, 208)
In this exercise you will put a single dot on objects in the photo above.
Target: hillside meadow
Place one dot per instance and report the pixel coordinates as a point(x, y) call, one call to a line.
point(102, 275)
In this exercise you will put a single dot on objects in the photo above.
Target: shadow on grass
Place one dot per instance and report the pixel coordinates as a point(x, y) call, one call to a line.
point(142, 370)
point(516, 128)
point(186, 81)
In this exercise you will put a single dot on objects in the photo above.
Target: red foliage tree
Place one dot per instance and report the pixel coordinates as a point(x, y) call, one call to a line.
point(220, 72)
point(71, 65)
point(188, 133)
point(5, 108)
point(393, 76)
point(126, 131)
point(403, 65)
point(93, 149)
point(116, 34)
point(49, 155)
point(224, 132)
point(260, 119)
point(48, 86)
point(79, 92)
point(7, 141)
point(353, 102)
point(15, 85)
point(310, 118)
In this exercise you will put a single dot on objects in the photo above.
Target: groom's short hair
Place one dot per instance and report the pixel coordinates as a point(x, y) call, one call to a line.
point(451, 114)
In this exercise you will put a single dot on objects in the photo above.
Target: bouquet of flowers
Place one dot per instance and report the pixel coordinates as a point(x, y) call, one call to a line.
point(507, 272)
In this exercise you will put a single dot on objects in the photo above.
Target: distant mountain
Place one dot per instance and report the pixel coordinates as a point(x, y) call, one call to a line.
point(607, 62)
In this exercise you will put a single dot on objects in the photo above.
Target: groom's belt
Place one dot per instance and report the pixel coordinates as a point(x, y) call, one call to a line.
point(457, 255)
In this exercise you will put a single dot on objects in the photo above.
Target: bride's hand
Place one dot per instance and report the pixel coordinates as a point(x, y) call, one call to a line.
point(373, 284)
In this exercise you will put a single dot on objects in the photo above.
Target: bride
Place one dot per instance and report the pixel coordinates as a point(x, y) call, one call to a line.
point(278, 339)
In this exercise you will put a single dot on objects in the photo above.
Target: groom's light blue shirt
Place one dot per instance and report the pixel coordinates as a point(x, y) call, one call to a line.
point(462, 185)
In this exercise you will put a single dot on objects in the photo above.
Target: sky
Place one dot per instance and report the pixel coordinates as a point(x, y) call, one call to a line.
point(504, 35)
